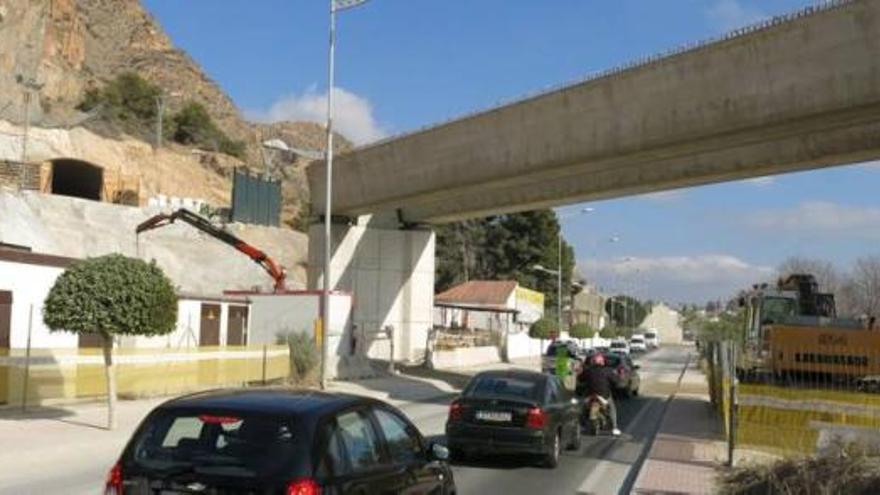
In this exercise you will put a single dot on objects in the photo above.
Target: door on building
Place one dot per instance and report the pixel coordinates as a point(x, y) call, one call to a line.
point(5, 332)
point(209, 330)
point(236, 325)
point(5, 318)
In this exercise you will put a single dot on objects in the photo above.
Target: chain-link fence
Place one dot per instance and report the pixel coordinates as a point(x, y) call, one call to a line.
point(806, 400)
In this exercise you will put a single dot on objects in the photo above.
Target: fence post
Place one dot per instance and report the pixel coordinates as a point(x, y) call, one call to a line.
point(264, 363)
point(731, 428)
point(27, 360)
point(389, 329)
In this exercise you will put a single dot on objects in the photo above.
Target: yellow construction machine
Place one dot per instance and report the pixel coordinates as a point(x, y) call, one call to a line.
point(792, 329)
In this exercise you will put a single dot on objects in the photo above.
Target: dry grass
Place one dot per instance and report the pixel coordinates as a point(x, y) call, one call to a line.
point(850, 473)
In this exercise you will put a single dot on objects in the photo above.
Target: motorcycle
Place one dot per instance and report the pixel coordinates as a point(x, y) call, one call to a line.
point(595, 416)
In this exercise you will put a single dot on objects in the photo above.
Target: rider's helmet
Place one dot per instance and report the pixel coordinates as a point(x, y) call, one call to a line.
point(597, 359)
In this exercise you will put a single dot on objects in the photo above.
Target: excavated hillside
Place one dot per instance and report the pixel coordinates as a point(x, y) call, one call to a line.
point(58, 49)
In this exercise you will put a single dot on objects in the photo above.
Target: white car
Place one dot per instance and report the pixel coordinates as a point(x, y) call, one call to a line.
point(619, 346)
point(637, 344)
point(652, 340)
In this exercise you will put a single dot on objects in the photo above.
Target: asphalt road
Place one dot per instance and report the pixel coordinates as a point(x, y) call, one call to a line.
point(602, 465)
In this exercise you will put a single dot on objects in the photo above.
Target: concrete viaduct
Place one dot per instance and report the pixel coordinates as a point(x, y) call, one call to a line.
point(794, 93)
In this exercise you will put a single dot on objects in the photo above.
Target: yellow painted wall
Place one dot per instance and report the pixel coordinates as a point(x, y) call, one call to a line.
point(70, 374)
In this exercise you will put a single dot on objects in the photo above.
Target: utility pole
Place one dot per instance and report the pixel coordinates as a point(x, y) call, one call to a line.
point(160, 114)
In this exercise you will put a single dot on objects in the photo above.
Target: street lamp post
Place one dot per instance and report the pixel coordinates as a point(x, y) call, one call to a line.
point(335, 6)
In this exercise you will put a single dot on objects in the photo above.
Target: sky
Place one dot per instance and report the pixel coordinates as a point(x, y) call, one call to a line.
point(404, 64)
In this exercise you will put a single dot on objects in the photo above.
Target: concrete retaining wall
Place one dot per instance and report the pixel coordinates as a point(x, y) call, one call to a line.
point(466, 356)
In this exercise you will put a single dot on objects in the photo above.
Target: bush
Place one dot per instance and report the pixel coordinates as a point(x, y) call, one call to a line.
point(127, 99)
point(303, 354)
point(193, 125)
point(542, 329)
point(581, 331)
point(852, 474)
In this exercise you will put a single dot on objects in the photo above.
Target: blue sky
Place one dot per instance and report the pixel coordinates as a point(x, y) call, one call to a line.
point(402, 64)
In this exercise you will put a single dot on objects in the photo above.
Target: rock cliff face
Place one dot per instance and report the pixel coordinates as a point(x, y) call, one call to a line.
point(59, 48)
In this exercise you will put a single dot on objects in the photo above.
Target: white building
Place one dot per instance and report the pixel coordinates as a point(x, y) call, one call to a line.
point(493, 305)
point(667, 322)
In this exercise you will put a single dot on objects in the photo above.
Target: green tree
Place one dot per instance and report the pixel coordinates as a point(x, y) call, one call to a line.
point(581, 331)
point(544, 328)
point(128, 100)
point(193, 125)
point(110, 296)
point(625, 311)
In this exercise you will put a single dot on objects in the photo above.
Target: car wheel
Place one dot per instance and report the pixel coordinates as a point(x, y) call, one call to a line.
point(575, 443)
point(635, 392)
point(626, 393)
point(551, 460)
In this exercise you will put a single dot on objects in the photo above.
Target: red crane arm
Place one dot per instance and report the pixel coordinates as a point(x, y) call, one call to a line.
point(203, 224)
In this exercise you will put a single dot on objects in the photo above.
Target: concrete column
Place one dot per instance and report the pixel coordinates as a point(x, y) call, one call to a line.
point(389, 272)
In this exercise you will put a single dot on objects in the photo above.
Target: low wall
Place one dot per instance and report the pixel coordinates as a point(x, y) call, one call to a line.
point(465, 356)
point(65, 375)
point(520, 345)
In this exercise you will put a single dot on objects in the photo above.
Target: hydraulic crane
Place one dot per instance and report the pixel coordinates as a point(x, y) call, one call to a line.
point(203, 224)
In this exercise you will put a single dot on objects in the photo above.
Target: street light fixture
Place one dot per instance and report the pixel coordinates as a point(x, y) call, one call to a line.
point(335, 6)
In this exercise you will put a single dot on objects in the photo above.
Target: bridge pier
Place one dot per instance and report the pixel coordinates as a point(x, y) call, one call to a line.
point(390, 272)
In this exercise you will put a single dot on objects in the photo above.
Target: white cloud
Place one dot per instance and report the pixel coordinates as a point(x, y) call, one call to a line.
point(728, 15)
point(353, 114)
point(821, 217)
point(676, 278)
point(762, 181)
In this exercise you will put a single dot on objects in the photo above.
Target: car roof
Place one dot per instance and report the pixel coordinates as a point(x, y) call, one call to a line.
point(517, 373)
point(279, 401)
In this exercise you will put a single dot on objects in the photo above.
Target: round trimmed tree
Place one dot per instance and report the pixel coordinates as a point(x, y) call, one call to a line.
point(542, 329)
point(581, 331)
point(110, 296)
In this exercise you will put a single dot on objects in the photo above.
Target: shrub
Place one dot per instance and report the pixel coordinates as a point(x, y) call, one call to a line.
point(852, 474)
point(581, 331)
point(542, 329)
point(127, 99)
point(193, 125)
point(303, 354)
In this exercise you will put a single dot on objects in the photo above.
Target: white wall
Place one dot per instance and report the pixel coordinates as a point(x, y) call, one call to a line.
point(30, 284)
point(520, 345)
point(667, 322)
point(273, 314)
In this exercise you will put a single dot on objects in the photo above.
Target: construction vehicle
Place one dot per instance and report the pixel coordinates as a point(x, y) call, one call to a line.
point(793, 330)
point(259, 257)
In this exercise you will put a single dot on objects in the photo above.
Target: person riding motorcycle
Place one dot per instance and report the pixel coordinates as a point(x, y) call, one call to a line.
point(597, 379)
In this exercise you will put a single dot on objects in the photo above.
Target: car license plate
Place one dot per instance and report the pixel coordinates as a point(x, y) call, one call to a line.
point(495, 416)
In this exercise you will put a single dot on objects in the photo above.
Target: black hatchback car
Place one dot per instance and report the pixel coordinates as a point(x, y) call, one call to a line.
point(514, 412)
point(285, 442)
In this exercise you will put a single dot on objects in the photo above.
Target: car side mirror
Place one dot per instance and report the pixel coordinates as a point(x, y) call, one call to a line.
point(438, 452)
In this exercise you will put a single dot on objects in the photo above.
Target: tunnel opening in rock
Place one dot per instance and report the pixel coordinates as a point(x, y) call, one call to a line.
point(77, 178)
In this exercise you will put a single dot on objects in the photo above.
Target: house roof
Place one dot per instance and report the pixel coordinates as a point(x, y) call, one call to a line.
point(494, 292)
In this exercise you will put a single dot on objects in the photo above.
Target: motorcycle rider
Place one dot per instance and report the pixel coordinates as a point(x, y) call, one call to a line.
point(596, 379)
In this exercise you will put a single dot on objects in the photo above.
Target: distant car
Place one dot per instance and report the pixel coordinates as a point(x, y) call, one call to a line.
point(575, 355)
point(514, 412)
point(619, 346)
point(627, 372)
point(637, 344)
point(279, 442)
point(652, 340)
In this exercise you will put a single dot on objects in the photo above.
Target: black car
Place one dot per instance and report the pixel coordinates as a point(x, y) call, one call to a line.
point(282, 442)
point(627, 373)
point(514, 412)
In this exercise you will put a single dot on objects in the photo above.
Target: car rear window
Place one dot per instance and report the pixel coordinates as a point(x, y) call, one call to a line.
point(618, 345)
point(238, 445)
point(637, 339)
point(650, 335)
point(612, 360)
point(504, 387)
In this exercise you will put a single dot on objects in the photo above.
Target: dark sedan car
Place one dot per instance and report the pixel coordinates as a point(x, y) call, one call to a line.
point(514, 412)
point(281, 442)
point(627, 373)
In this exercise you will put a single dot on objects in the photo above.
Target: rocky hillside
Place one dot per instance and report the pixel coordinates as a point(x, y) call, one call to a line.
point(64, 47)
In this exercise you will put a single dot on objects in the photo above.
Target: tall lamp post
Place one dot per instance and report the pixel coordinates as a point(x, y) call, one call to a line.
point(335, 6)
point(558, 271)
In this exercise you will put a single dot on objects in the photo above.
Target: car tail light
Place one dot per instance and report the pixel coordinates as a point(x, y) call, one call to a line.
point(218, 420)
point(114, 481)
point(536, 418)
point(455, 411)
point(303, 486)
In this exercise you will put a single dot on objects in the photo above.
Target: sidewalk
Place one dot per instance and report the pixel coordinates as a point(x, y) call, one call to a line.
point(689, 447)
